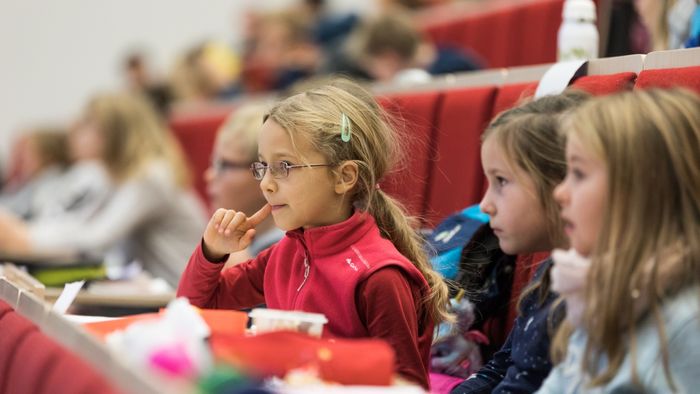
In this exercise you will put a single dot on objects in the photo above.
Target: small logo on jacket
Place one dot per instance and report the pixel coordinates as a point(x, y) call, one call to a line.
point(359, 255)
point(351, 264)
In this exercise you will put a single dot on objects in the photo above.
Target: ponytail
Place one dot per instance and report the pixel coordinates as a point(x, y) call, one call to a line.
point(396, 226)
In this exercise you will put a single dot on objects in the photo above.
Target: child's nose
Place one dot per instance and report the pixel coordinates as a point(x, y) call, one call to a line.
point(267, 183)
point(209, 174)
point(560, 193)
point(486, 205)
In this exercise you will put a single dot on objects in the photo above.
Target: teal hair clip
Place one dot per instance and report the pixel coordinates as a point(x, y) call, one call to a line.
point(345, 128)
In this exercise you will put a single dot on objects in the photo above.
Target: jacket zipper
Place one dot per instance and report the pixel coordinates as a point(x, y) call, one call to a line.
point(307, 268)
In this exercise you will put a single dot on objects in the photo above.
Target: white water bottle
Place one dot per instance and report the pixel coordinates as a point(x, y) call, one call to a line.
point(578, 34)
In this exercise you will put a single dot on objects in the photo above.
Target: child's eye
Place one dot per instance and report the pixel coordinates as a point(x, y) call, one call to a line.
point(577, 174)
point(501, 181)
point(285, 164)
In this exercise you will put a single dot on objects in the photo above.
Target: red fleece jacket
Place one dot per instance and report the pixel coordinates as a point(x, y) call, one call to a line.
point(346, 271)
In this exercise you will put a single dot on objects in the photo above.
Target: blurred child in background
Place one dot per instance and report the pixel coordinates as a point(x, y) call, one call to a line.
point(151, 216)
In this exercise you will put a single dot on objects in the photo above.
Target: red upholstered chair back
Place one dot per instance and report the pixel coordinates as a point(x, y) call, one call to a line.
point(415, 115)
point(508, 96)
point(33, 363)
point(35, 355)
point(490, 36)
point(13, 330)
point(606, 84)
point(457, 179)
point(4, 308)
point(538, 44)
point(196, 134)
point(688, 77)
point(490, 33)
point(74, 375)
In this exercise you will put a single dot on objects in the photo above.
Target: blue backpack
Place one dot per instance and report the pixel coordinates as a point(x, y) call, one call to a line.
point(449, 238)
point(465, 251)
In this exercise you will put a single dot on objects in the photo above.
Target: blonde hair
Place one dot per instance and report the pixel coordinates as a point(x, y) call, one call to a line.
point(134, 136)
point(660, 31)
point(374, 147)
point(648, 247)
point(243, 127)
point(51, 144)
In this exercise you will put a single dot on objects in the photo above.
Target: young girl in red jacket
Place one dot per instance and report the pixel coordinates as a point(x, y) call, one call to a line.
point(350, 251)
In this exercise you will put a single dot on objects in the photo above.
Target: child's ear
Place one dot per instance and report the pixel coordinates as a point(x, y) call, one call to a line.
point(347, 177)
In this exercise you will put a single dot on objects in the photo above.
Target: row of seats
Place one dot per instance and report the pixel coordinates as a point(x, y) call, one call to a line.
point(442, 171)
point(42, 351)
point(489, 30)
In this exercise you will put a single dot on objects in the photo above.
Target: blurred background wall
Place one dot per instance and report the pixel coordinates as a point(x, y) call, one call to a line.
point(55, 54)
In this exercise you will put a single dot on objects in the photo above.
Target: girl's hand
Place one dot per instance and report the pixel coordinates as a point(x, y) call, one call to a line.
point(14, 234)
point(568, 277)
point(229, 231)
point(456, 356)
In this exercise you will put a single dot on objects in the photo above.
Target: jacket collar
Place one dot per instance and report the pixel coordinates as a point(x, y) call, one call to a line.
point(332, 239)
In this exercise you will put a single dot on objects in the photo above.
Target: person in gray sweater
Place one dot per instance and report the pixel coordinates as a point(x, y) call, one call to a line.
point(152, 216)
point(631, 203)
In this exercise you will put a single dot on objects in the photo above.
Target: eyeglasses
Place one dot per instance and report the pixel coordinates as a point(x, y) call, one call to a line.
point(221, 165)
point(278, 169)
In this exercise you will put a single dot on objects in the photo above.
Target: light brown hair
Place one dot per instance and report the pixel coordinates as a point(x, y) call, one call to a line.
point(316, 116)
point(648, 248)
point(51, 144)
point(389, 33)
point(134, 136)
point(529, 138)
point(243, 127)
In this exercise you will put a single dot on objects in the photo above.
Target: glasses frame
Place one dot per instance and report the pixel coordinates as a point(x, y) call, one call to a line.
point(220, 166)
point(279, 169)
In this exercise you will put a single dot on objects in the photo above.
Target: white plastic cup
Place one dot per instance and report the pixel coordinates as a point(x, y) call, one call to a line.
point(266, 320)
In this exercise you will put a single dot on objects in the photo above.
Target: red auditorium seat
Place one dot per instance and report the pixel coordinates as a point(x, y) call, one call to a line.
point(490, 36)
point(606, 84)
point(4, 308)
point(73, 375)
point(34, 357)
point(537, 41)
point(688, 77)
point(416, 116)
point(197, 133)
point(508, 96)
point(13, 330)
point(33, 363)
point(441, 34)
point(457, 179)
point(490, 32)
